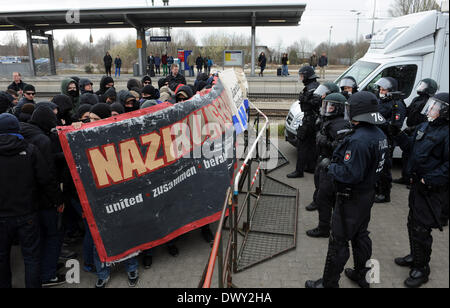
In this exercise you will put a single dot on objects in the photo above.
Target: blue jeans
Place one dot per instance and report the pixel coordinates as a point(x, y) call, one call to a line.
point(88, 242)
point(51, 243)
point(117, 70)
point(26, 228)
point(285, 70)
point(103, 271)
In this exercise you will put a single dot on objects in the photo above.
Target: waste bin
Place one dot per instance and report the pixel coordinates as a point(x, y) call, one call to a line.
point(136, 69)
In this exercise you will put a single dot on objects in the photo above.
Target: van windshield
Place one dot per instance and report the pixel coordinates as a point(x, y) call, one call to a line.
point(360, 70)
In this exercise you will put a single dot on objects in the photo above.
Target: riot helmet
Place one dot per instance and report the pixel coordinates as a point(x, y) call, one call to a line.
point(437, 107)
point(326, 89)
point(363, 107)
point(307, 73)
point(333, 105)
point(428, 87)
point(348, 82)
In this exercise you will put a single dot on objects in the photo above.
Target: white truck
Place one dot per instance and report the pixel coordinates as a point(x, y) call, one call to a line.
point(409, 48)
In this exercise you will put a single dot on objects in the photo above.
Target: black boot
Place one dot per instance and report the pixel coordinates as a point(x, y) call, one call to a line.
point(421, 246)
point(382, 198)
point(312, 207)
point(418, 277)
point(408, 260)
point(295, 175)
point(318, 284)
point(358, 277)
point(401, 181)
point(405, 261)
point(318, 233)
point(207, 235)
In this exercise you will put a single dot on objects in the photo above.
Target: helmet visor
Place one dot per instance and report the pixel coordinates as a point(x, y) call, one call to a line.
point(432, 109)
point(384, 83)
point(346, 82)
point(347, 112)
point(422, 87)
point(322, 90)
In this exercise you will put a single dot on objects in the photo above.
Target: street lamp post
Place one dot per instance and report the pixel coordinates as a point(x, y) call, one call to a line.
point(329, 39)
point(357, 24)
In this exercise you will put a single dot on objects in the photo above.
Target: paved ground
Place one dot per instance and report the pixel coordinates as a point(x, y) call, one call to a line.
point(291, 269)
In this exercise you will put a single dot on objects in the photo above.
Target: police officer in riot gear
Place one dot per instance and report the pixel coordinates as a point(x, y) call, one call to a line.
point(355, 165)
point(348, 86)
point(428, 165)
point(427, 88)
point(334, 129)
point(306, 156)
point(393, 109)
point(319, 94)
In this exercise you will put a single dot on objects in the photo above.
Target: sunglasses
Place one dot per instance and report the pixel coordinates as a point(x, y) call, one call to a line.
point(147, 82)
point(28, 93)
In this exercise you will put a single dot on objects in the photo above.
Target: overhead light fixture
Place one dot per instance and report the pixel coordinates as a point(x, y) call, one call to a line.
point(41, 25)
point(115, 23)
point(277, 20)
point(193, 21)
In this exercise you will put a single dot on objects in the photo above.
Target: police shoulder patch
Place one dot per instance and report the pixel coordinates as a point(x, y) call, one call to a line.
point(348, 155)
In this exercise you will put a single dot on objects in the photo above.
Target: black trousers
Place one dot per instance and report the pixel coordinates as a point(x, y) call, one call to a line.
point(384, 183)
point(306, 154)
point(350, 222)
point(422, 204)
point(108, 70)
point(325, 200)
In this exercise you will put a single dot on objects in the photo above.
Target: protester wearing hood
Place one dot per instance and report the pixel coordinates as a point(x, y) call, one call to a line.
point(109, 97)
point(83, 113)
point(128, 101)
point(24, 176)
point(117, 109)
point(65, 109)
point(89, 98)
point(162, 82)
point(85, 86)
point(6, 102)
point(183, 93)
point(14, 95)
point(149, 92)
point(26, 112)
point(106, 83)
point(99, 112)
point(69, 87)
point(37, 132)
point(133, 83)
point(29, 93)
point(136, 94)
point(146, 80)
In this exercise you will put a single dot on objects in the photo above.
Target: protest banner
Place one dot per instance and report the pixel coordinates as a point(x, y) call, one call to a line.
point(149, 176)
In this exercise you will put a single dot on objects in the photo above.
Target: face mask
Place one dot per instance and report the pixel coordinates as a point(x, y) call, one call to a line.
point(86, 120)
point(72, 92)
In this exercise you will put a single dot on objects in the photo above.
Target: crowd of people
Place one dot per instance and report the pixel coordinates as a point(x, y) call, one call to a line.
point(347, 139)
point(39, 205)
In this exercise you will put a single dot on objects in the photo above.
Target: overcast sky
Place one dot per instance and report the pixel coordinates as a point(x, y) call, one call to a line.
point(315, 25)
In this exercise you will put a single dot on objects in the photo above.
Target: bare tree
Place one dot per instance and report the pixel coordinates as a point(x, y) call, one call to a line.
point(405, 7)
point(71, 46)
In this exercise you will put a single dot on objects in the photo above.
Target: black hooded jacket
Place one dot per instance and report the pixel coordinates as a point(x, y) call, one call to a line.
point(65, 107)
point(37, 132)
point(103, 82)
point(23, 178)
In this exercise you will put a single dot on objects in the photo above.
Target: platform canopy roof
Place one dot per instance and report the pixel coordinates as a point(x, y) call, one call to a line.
point(153, 17)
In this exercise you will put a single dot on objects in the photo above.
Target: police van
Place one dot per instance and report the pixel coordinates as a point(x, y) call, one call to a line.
point(409, 48)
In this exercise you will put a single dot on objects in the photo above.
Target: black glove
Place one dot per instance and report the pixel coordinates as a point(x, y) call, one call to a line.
point(322, 140)
point(394, 130)
point(325, 163)
point(410, 130)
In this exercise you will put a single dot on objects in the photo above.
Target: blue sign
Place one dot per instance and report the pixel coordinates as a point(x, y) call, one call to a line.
point(160, 39)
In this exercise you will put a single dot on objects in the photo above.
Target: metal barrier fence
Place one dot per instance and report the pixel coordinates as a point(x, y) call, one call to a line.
point(227, 263)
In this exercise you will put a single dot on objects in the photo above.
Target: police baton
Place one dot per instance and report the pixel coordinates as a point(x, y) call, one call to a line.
point(426, 196)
